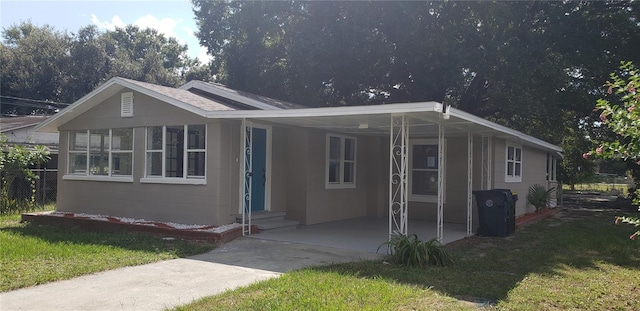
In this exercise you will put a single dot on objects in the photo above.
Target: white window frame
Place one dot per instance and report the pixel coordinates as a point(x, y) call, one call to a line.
point(421, 197)
point(185, 179)
point(86, 175)
point(341, 184)
point(512, 176)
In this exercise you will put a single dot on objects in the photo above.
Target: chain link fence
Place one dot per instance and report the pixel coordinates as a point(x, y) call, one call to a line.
point(17, 191)
point(46, 185)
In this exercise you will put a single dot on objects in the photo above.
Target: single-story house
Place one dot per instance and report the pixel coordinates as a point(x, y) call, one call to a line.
point(204, 154)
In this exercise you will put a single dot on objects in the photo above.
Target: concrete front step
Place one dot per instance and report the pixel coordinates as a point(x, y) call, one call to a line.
point(270, 221)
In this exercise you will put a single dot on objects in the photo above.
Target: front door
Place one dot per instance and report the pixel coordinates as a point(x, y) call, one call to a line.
point(259, 168)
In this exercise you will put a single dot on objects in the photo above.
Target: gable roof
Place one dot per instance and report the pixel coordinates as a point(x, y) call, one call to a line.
point(8, 124)
point(179, 97)
point(253, 100)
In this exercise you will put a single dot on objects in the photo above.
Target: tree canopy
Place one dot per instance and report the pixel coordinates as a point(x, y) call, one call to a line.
point(533, 66)
point(54, 68)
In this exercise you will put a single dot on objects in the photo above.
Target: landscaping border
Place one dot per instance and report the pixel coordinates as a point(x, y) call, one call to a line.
point(534, 217)
point(69, 220)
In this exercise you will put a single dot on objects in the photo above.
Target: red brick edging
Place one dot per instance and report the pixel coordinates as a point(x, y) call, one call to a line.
point(115, 226)
point(534, 217)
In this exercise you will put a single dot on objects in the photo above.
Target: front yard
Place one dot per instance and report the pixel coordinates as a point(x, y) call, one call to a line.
point(32, 254)
point(579, 260)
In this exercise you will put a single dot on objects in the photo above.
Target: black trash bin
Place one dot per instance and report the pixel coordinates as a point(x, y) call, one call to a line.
point(496, 212)
point(512, 198)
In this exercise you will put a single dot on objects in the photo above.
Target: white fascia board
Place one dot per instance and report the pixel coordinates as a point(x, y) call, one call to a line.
point(227, 94)
point(73, 110)
point(329, 111)
point(511, 132)
point(85, 103)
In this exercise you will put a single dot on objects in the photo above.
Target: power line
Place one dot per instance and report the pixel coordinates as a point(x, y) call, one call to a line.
point(19, 104)
point(36, 100)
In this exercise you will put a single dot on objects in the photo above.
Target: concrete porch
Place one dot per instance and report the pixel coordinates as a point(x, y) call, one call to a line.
point(361, 234)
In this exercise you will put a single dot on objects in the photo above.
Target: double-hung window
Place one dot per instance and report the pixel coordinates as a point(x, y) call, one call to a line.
point(423, 164)
point(176, 154)
point(513, 163)
point(104, 154)
point(341, 162)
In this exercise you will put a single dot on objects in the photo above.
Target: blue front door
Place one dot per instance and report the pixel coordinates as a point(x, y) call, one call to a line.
point(259, 168)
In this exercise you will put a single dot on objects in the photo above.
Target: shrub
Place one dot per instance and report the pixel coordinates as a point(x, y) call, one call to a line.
point(17, 192)
point(539, 196)
point(409, 250)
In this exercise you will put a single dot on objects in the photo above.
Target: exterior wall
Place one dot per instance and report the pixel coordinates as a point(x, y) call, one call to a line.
point(198, 204)
point(323, 204)
point(534, 171)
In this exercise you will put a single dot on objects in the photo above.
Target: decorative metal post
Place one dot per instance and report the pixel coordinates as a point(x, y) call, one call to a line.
point(398, 168)
point(440, 224)
point(247, 134)
point(469, 183)
point(487, 152)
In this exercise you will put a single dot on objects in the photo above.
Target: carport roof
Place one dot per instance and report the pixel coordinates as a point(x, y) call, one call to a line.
point(423, 119)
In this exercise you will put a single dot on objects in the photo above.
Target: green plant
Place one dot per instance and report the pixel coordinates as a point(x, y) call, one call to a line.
point(539, 196)
point(15, 163)
point(409, 250)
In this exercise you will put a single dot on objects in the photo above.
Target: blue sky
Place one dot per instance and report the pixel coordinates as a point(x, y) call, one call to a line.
point(173, 18)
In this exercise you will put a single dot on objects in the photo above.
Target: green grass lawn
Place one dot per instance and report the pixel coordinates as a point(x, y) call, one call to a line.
point(606, 188)
point(579, 260)
point(34, 254)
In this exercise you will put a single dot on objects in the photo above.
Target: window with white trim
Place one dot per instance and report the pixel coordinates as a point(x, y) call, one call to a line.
point(513, 167)
point(176, 152)
point(104, 152)
point(423, 166)
point(341, 162)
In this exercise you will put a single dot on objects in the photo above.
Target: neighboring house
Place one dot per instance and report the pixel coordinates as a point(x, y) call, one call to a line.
point(204, 153)
point(20, 130)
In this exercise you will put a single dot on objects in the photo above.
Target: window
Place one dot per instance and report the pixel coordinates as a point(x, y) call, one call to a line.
point(176, 154)
point(341, 162)
point(423, 165)
point(514, 163)
point(101, 153)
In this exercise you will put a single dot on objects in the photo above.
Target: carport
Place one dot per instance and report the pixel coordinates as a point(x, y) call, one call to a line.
point(361, 234)
point(398, 122)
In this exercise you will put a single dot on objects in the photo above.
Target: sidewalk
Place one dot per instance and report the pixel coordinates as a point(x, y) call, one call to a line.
point(176, 282)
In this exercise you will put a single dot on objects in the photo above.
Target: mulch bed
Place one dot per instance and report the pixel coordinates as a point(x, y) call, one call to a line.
point(114, 224)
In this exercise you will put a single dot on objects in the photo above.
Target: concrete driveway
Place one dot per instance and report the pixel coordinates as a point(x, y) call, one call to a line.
point(175, 282)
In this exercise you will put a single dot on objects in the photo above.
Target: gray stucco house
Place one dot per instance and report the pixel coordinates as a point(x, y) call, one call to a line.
point(203, 154)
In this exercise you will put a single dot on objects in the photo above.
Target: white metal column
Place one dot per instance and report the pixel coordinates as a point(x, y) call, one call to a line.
point(398, 169)
point(487, 153)
point(469, 183)
point(247, 138)
point(440, 182)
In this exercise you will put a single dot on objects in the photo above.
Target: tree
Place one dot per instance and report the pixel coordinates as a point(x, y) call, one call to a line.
point(34, 60)
point(620, 112)
point(49, 67)
point(511, 62)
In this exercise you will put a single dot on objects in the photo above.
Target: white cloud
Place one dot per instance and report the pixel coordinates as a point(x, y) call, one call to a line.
point(203, 56)
point(166, 26)
point(116, 21)
point(189, 32)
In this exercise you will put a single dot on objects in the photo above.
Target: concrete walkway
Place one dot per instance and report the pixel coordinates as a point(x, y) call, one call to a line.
point(176, 282)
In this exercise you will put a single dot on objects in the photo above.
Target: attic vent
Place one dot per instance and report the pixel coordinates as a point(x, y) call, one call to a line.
point(126, 104)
